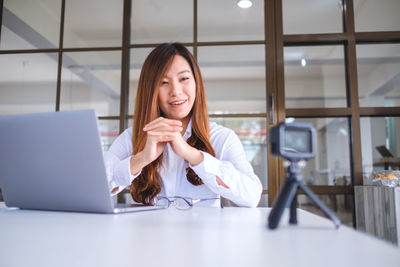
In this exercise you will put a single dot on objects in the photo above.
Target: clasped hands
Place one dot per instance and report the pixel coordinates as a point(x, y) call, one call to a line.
point(160, 132)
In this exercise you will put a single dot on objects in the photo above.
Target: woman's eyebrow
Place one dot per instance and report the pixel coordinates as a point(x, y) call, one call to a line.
point(183, 71)
point(179, 73)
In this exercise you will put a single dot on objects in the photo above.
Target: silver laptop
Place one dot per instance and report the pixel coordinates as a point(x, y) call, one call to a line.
point(54, 161)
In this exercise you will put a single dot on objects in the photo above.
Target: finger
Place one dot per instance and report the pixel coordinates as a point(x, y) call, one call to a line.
point(154, 121)
point(164, 128)
point(160, 133)
point(162, 136)
point(162, 121)
point(166, 138)
point(164, 124)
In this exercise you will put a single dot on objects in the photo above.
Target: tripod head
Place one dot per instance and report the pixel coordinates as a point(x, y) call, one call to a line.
point(293, 168)
point(293, 141)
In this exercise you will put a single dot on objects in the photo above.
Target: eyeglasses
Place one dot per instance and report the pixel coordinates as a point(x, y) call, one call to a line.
point(181, 203)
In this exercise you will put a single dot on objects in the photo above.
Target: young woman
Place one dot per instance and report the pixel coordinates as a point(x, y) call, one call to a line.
point(172, 148)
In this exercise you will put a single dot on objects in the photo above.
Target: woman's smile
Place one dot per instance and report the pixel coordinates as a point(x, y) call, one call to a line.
point(178, 103)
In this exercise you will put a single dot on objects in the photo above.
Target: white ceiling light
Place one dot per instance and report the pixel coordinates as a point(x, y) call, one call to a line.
point(303, 62)
point(244, 3)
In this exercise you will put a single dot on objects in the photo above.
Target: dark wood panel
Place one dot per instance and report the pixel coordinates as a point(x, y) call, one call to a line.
point(317, 112)
point(255, 42)
point(30, 51)
point(195, 29)
point(377, 37)
point(331, 190)
point(125, 65)
point(380, 111)
point(352, 88)
point(1, 15)
point(60, 58)
point(315, 39)
point(264, 192)
point(239, 115)
point(154, 45)
point(271, 92)
point(108, 117)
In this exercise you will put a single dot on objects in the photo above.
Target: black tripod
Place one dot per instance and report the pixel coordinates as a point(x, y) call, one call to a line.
point(288, 196)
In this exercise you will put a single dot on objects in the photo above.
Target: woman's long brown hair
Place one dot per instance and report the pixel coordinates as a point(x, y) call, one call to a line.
point(147, 185)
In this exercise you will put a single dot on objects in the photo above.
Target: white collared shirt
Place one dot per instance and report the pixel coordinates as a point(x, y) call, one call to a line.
point(229, 164)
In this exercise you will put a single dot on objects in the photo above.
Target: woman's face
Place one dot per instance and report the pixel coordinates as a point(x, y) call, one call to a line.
point(177, 90)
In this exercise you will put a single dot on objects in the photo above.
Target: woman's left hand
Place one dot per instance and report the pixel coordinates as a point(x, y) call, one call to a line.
point(183, 149)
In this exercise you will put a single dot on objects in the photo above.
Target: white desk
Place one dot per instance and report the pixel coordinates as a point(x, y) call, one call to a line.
point(200, 237)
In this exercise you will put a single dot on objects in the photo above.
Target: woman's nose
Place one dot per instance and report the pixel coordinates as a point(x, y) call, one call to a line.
point(176, 88)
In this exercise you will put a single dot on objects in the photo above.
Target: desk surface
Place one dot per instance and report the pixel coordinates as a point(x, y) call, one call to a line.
point(199, 237)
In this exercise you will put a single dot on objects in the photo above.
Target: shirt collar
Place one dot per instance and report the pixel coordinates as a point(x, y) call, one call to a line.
point(188, 131)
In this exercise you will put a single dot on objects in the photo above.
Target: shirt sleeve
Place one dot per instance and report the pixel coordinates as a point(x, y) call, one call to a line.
point(234, 170)
point(117, 162)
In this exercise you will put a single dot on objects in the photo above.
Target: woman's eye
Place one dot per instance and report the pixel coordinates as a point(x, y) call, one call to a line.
point(164, 83)
point(184, 78)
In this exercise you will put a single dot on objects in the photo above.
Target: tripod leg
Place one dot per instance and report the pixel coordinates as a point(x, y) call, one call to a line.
point(284, 199)
point(293, 212)
point(320, 204)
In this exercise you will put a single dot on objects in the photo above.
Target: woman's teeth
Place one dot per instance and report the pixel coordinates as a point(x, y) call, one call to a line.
point(178, 102)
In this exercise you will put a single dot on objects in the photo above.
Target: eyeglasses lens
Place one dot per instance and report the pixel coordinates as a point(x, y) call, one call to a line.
point(181, 204)
point(163, 202)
